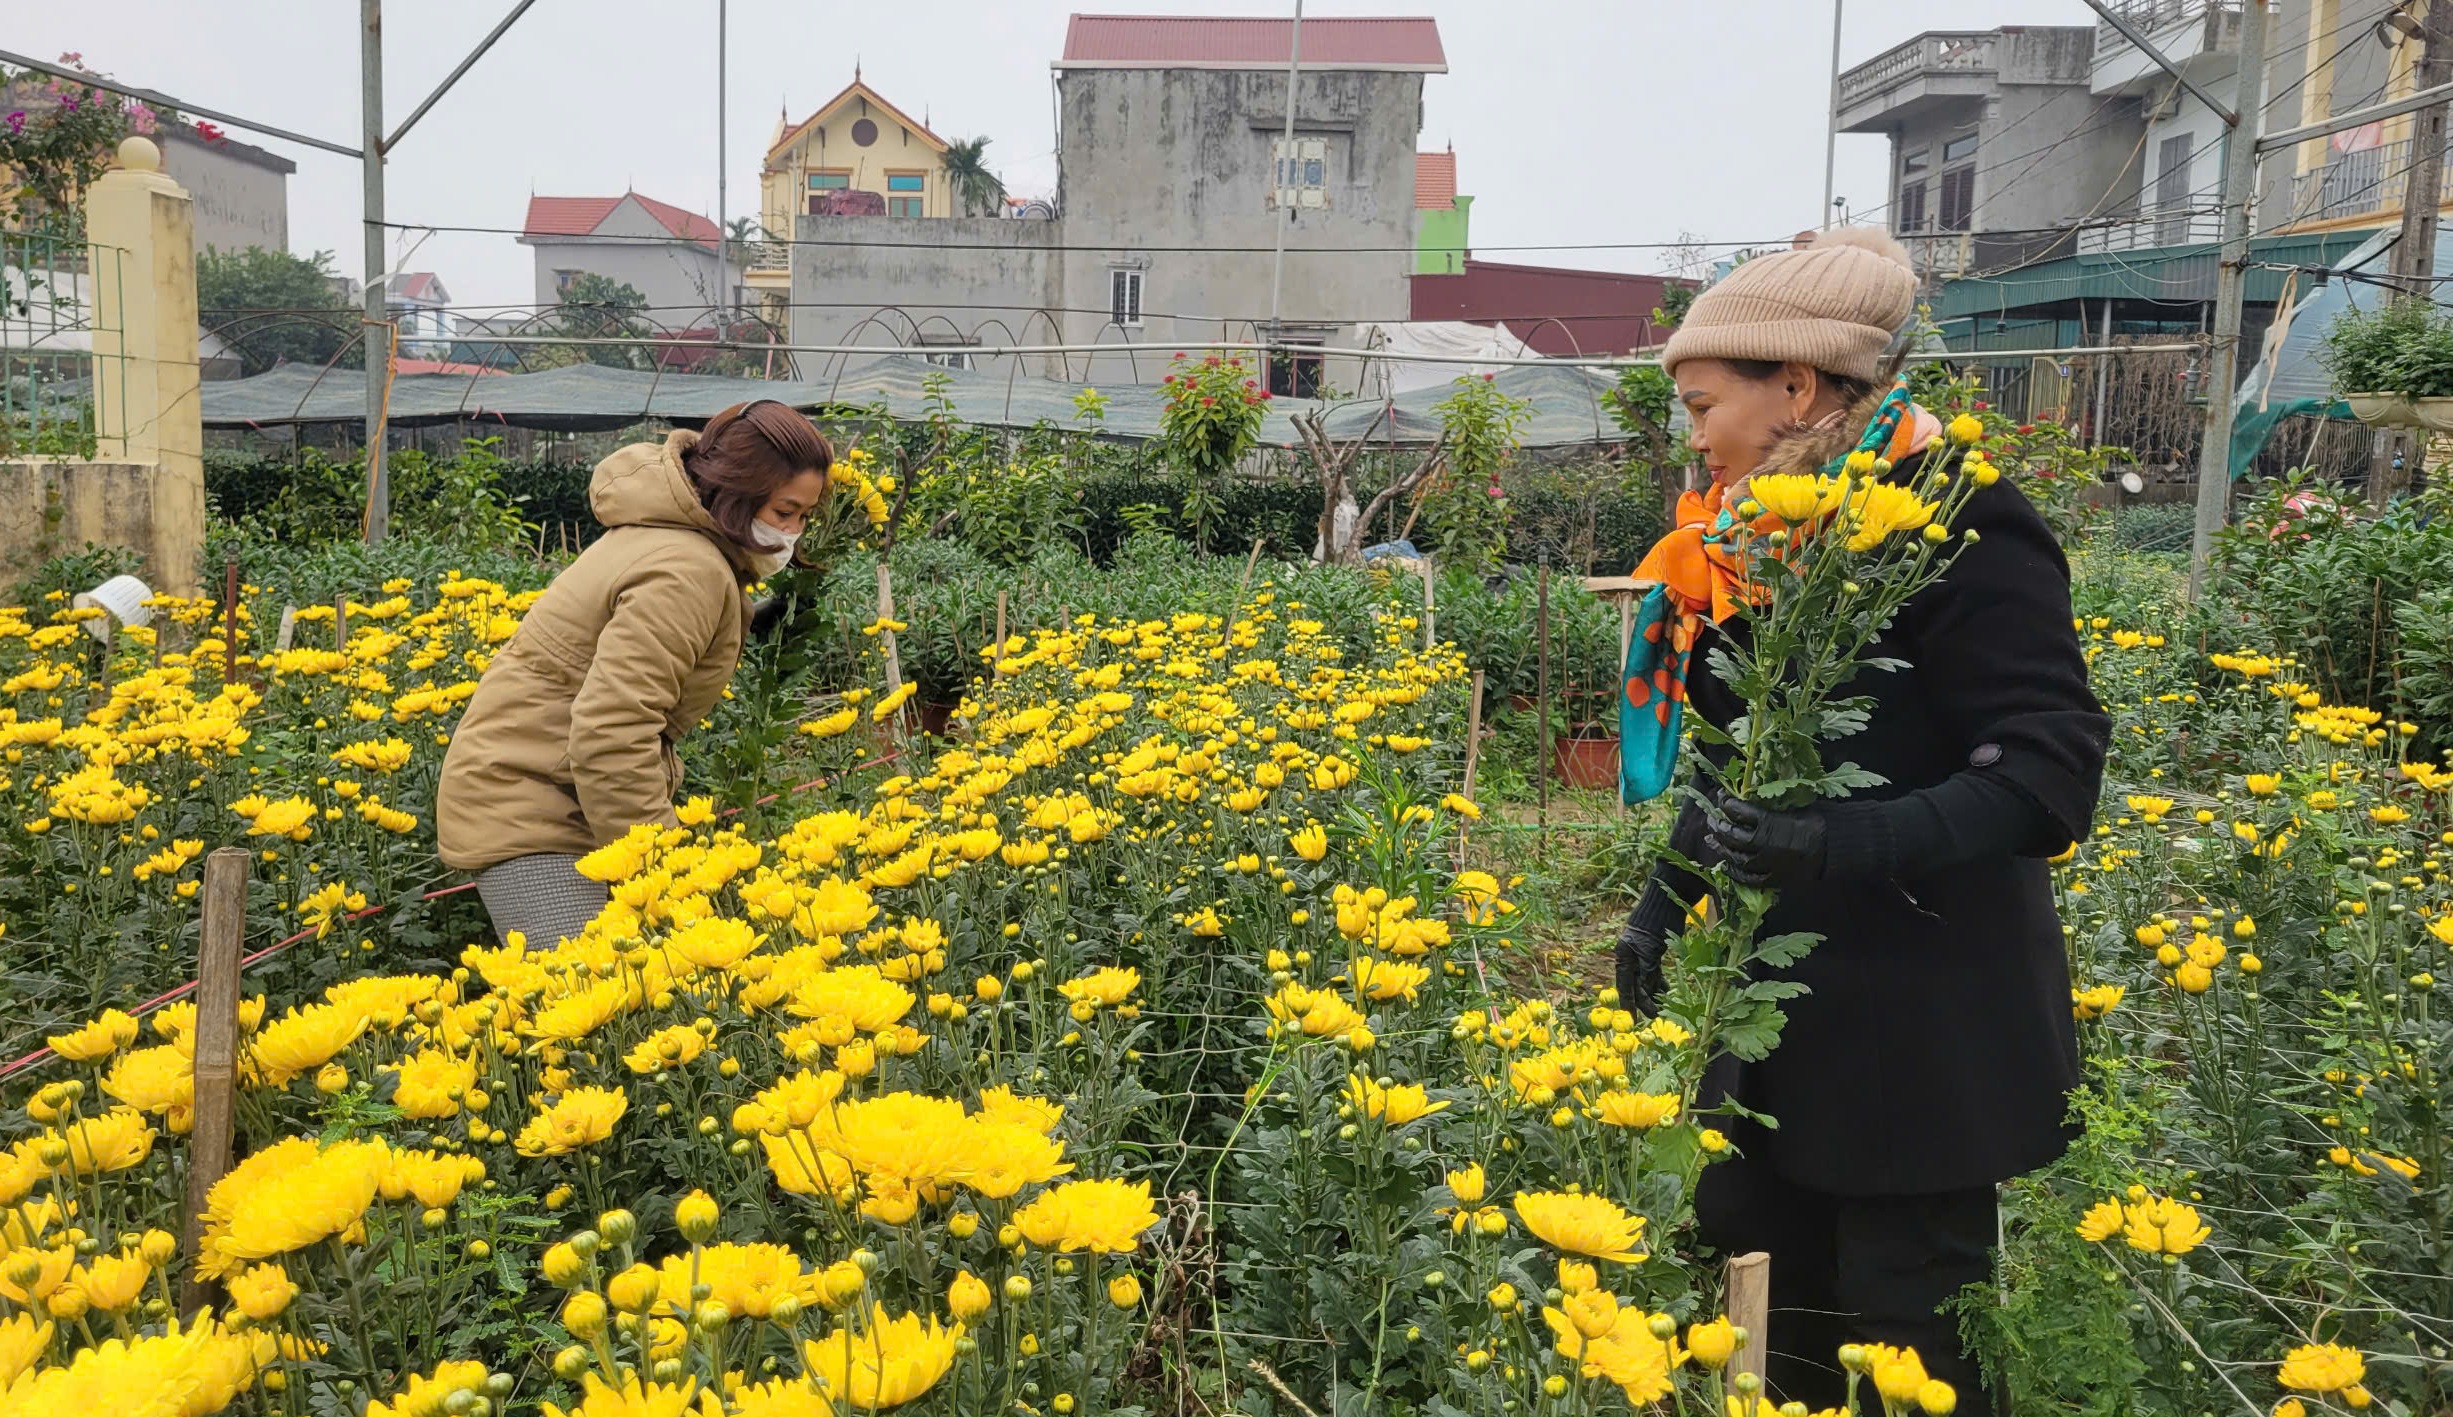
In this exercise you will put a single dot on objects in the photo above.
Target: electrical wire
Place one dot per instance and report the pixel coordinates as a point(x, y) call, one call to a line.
point(1127, 248)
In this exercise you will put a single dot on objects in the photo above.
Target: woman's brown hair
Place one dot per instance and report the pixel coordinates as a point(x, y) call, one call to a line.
point(1851, 390)
point(744, 454)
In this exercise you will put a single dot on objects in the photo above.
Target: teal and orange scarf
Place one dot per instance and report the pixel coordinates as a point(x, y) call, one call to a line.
point(1699, 568)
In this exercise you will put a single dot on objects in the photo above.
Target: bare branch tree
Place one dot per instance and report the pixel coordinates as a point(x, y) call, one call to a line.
point(1342, 526)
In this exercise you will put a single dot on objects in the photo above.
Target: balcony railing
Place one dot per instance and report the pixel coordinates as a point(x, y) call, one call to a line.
point(2354, 184)
point(2150, 17)
point(762, 255)
point(2152, 229)
point(1958, 52)
point(1940, 256)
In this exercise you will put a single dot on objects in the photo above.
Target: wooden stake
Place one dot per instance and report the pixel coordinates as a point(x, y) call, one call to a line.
point(340, 623)
point(1430, 611)
point(1748, 1294)
point(1064, 618)
point(1541, 693)
point(288, 630)
point(1000, 628)
point(1473, 735)
point(217, 984)
point(229, 621)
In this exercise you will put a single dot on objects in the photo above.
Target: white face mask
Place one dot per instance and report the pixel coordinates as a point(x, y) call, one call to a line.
point(777, 543)
point(771, 537)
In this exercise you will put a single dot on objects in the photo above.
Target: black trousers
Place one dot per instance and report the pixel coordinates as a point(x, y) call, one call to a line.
point(1854, 1269)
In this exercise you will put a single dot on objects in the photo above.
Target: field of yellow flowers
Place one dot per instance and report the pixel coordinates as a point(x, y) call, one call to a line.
point(1146, 1043)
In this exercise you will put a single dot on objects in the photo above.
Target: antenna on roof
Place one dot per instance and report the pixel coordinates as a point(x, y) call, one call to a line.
point(855, 68)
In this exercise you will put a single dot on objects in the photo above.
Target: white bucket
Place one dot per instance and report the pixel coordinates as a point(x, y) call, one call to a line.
point(123, 596)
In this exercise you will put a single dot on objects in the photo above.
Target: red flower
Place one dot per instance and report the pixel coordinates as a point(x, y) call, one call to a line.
point(2026, 428)
point(1207, 401)
point(1495, 490)
point(1488, 377)
point(1981, 405)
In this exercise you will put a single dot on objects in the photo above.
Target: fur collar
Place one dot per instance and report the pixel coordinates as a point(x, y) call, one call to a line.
point(1810, 450)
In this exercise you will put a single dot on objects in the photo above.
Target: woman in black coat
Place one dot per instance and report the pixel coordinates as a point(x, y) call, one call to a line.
point(1932, 1055)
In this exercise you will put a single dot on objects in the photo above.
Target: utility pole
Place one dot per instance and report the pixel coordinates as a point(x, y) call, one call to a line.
point(2214, 471)
point(723, 233)
point(2397, 450)
point(1277, 267)
point(1831, 123)
point(378, 334)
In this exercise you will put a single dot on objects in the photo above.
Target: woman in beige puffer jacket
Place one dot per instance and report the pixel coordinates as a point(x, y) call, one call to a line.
point(569, 740)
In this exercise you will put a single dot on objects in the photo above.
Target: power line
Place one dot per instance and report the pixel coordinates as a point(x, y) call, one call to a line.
point(1121, 248)
point(926, 309)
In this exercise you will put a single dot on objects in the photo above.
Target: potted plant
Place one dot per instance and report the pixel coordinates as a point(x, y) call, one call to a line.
point(1585, 755)
point(2394, 365)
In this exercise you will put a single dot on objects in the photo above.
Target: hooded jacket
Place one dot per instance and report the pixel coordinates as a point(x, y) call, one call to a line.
point(569, 740)
point(1934, 1048)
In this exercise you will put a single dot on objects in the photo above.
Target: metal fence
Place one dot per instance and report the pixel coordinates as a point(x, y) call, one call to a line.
point(58, 358)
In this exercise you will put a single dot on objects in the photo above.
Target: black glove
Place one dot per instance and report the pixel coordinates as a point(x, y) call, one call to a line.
point(1639, 970)
point(1765, 847)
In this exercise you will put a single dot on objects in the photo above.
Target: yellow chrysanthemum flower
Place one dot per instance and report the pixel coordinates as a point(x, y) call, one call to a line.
point(1582, 1224)
point(884, 1362)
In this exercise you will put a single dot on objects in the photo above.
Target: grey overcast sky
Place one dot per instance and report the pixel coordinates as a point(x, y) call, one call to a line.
point(1574, 121)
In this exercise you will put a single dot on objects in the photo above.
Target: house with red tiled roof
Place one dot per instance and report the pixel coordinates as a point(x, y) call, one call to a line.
point(665, 252)
point(1441, 213)
point(420, 309)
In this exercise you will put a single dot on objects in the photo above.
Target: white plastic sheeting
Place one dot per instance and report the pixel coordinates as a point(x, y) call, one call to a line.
point(1449, 339)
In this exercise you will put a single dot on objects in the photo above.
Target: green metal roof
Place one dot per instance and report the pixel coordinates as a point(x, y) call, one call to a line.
point(2167, 273)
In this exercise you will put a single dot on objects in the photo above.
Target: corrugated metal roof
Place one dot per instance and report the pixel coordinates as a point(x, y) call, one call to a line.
point(1408, 42)
point(2170, 273)
point(1434, 181)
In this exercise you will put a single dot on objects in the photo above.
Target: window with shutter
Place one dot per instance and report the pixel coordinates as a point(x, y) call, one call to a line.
point(1958, 199)
point(1124, 297)
point(1909, 211)
point(2172, 190)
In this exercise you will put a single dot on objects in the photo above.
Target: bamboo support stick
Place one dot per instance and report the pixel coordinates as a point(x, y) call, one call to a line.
point(223, 931)
point(1000, 625)
point(1430, 611)
point(340, 623)
point(229, 621)
point(1541, 695)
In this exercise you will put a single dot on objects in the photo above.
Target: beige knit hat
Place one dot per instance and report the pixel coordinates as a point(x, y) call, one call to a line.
point(1833, 305)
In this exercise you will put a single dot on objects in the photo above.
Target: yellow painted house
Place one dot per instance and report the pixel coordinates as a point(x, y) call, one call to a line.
point(856, 142)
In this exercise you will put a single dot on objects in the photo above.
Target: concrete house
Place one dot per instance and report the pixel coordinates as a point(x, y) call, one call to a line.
point(420, 308)
point(664, 252)
point(242, 192)
point(1168, 129)
point(1993, 133)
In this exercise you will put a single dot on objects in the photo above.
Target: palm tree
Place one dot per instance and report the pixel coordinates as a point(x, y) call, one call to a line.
point(976, 190)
